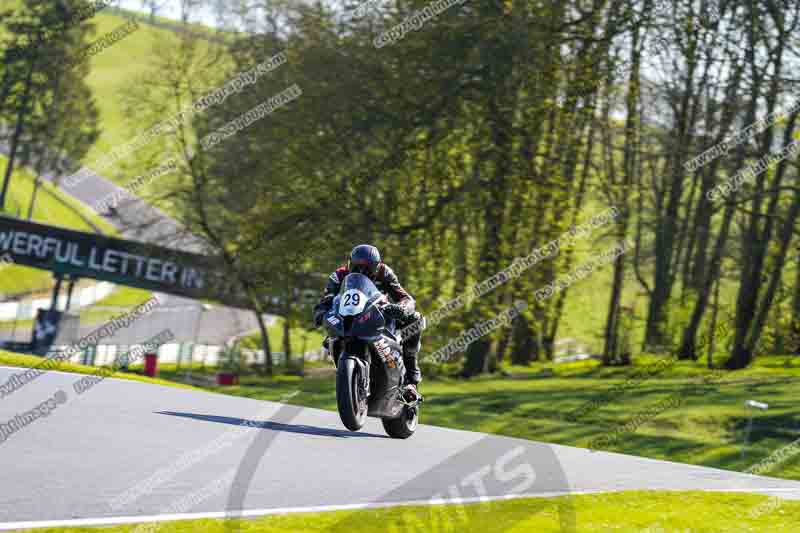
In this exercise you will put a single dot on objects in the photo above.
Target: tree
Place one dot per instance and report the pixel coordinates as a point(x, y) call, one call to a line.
point(485, 134)
point(44, 94)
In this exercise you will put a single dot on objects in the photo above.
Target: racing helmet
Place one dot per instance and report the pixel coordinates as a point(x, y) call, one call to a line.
point(364, 259)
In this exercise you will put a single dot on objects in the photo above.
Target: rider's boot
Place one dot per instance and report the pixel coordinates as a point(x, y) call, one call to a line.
point(413, 374)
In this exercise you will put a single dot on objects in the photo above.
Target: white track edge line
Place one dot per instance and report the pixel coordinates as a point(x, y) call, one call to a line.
point(8, 526)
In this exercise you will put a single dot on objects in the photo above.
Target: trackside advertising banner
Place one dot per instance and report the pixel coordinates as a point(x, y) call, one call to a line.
point(130, 263)
point(119, 261)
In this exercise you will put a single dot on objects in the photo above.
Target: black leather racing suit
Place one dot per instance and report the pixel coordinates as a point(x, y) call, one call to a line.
point(387, 282)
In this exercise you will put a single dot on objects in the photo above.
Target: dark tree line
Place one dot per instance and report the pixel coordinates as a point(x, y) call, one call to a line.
point(493, 130)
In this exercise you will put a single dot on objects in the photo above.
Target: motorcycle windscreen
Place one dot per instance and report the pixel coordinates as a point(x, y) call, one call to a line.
point(356, 293)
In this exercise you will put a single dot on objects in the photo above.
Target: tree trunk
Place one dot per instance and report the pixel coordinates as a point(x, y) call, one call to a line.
point(503, 343)
point(751, 314)
point(36, 184)
point(743, 352)
point(755, 239)
point(712, 329)
point(794, 346)
point(610, 347)
point(5, 86)
point(666, 229)
point(491, 248)
point(18, 128)
point(287, 341)
point(476, 358)
point(687, 348)
point(523, 347)
point(570, 253)
point(268, 370)
point(655, 337)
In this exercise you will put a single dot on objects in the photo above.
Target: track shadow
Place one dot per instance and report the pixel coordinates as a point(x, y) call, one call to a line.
point(783, 428)
point(275, 426)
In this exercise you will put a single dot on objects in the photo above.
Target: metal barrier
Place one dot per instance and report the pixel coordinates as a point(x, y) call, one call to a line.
point(181, 354)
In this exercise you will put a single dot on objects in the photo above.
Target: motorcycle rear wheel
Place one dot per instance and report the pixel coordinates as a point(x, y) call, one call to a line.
point(349, 397)
point(403, 426)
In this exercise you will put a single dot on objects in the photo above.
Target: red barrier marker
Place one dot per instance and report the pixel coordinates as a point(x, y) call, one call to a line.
point(227, 379)
point(151, 364)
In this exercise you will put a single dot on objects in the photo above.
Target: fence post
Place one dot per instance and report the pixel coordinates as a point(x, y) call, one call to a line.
point(16, 318)
point(191, 362)
point(89, 355)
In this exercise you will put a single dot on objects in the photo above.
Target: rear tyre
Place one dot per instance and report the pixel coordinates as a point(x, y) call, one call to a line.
point(403, 426)
point(349, 397)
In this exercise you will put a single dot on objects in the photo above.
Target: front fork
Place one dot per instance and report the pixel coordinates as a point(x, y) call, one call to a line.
point(364, 376)
point(364, 367)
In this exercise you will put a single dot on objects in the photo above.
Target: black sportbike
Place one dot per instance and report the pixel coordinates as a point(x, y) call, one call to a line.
point(366, 350)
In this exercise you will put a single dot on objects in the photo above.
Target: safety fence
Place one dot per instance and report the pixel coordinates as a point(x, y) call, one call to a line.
point(180, 354)
point(26, 309)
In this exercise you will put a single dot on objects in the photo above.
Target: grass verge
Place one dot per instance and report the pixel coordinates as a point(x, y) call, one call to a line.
point(30, 361)
point(623, 512)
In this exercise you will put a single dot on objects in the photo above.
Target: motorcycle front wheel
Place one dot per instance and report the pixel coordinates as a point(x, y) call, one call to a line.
point(403, 426)
point(350, 397)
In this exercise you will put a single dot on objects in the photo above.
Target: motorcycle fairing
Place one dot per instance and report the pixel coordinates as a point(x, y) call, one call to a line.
point(363, 320)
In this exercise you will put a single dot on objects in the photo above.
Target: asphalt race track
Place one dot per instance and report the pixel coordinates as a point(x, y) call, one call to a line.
point(127, 449)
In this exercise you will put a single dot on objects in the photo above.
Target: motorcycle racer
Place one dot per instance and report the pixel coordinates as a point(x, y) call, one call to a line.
point(366, 259)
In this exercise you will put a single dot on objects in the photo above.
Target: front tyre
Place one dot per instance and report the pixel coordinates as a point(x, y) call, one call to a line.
point(350, 398)
point(403, 426)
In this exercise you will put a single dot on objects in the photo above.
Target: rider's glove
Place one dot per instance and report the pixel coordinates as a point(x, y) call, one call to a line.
point(395, 311)
point(321, 309)
point(319, 315)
